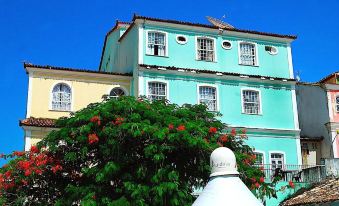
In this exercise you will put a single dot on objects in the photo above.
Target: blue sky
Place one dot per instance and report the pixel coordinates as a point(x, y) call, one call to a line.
point(71, 34)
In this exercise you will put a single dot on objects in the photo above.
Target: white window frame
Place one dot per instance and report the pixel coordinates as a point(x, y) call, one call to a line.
point(222, 44)
point(277, 152)
point(256, 53)
point(166, 43)
point(335, 102)
point(242, 100)
point(181, 42)
point(117, 86)
point(157, 81)
point(263, 155)
point(216, 91)
point(214, 48)
point(51, 96)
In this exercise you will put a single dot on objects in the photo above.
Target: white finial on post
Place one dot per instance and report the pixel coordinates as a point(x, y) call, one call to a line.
point(225, 187)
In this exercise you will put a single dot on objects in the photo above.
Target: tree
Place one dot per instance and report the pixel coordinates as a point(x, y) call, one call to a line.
point(126, 152)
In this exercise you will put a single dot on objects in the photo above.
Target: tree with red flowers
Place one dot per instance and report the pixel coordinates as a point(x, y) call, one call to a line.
point(126, 152)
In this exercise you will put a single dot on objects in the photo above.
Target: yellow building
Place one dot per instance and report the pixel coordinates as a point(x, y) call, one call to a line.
point(55, 92)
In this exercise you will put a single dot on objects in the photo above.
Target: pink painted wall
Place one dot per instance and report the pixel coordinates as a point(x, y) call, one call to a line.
point(335, 115)
point(333, 94)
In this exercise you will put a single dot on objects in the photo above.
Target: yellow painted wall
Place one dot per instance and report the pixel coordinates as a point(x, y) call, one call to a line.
point(86, 88)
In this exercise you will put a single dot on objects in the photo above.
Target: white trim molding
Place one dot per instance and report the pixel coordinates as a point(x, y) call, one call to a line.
point(215, 59)
point(181, 42)
point(216, 92)
point(29, 95)
point(242, 100)
point(227, 48)
point(141, 45)
point(290, 63)
point(28, 139)
point(160, 81)
point(256, 53)
point(166, 42)
point(118, 86)
point(141, 87)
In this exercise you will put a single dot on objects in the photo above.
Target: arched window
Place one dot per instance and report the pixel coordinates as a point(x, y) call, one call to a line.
point(117, 92)
point(61, 97)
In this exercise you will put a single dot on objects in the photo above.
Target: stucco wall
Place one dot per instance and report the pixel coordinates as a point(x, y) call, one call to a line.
point(313, 114)
point(85, 90)
point(227, 60)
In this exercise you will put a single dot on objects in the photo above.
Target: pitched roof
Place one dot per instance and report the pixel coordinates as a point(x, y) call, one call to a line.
point(211, 27)
point(48, 67)
point(38, 122)
point(327, 77)
point(327, 191)
point(117, 25)
point(157, 67)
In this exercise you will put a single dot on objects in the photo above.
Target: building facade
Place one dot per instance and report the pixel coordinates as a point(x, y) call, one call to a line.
point(55, 92)
point(247, 76)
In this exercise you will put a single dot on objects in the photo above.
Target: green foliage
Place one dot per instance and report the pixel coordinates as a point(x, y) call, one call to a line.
point(133, 152)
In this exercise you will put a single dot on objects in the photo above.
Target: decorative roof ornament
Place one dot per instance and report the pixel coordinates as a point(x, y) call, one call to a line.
point(219, 23)
point(225, 187)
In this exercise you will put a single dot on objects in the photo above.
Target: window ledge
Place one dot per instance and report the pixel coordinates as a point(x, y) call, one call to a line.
point(249, 65)
point(156, 55)
point(205, 61)
point(54, 110)
point(260, 114)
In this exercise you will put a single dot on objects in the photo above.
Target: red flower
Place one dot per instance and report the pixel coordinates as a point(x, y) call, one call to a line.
point(56, 168)
point(8, 174)
point(18, 153)
point(212, 130)
point(95, 119)
point(243, 131)
point(253, 180)
point(291, 184)
point(93, 138)
point(28, 173)
point(181, 128)
point(233, 132)
point(170, 126)
point(224, 138)
point(257, 185)
point(24, 165)
point(94, 197)
point(262, 179)
point(38, 172)
point(118, 121)
point(34, 149)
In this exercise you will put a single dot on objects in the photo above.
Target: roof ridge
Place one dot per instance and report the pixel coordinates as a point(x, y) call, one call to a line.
point(213, 27)
point(26, 64)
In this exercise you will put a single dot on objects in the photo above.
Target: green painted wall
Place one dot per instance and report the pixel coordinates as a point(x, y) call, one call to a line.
point(226, 60)
point(277, 110)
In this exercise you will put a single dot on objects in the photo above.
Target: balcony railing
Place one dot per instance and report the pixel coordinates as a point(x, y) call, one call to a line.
point(296, 173)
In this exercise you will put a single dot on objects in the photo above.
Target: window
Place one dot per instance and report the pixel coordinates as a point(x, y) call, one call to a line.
point(259, 158)
point(117, 92)
point(156, 44)
point(271, 50)
point(157, 90)
point(277, 160)
point(208, 96)
point(61, 97)
point(181, 39)
point(205, 49)
point(226, 44)
point(251, 102)
point(337, 103)
point(248, 54)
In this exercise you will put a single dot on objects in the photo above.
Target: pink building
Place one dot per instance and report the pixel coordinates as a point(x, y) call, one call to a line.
point(331, 85)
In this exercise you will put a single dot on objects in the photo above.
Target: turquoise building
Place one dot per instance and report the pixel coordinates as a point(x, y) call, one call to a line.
point(245, 75)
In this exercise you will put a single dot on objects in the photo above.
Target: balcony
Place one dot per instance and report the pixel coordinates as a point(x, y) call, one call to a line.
point(295, 173)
